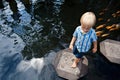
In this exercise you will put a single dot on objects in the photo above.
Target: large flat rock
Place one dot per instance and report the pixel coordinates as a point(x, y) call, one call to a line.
point(111, 50)
point(63, 62)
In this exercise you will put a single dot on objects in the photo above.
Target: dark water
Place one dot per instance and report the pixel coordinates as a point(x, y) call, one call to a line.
point(48, 25)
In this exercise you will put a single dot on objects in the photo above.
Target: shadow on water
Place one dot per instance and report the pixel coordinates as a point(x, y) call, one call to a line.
point(54, 23)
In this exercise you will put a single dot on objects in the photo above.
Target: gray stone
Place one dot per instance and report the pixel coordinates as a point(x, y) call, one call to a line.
point(63, 62)
point(111, 50)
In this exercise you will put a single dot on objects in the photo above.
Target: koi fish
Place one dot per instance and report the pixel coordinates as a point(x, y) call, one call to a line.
point(108, 20)
point(101, 13)
point(98, 33)
point(104, 35)
point(118, 12)
point(100, 19)
point(110, 27)
point(114, 15)
point(100, 26)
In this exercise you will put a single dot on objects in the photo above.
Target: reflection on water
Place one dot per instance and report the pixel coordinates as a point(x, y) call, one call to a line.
point(46, 25)
point(14, 67)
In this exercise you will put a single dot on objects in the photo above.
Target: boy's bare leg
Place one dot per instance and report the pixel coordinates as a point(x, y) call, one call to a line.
point(75, 62)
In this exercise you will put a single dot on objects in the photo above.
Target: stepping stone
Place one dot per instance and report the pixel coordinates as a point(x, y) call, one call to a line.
point(111, 50)
point(63, 62)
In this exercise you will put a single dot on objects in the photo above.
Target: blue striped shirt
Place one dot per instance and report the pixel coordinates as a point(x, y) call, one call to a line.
point(84, 41)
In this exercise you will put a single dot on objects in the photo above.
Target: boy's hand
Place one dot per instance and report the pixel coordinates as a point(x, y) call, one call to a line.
point(94, 50)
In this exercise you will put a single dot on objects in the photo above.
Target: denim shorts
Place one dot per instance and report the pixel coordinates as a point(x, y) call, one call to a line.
point(79, 54)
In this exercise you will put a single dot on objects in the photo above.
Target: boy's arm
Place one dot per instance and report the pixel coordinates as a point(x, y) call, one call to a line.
point(94, 46)
point(72, 43)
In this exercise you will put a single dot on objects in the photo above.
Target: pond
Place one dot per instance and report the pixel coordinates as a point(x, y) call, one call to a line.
point(60, 19)
point(49, 25)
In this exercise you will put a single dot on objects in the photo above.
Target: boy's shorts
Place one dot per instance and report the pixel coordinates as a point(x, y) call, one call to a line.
point(79, 54)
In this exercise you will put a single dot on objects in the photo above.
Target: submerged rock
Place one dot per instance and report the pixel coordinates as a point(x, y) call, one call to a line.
point(111, 50)
point(63, 62)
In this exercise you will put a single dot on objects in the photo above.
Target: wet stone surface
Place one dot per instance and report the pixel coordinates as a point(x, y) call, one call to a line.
point(63, 64)
point(111, 50)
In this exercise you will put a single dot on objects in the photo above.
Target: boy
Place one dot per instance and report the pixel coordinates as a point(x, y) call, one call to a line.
point(83, 37)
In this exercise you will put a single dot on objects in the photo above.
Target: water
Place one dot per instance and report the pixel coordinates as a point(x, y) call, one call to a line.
point(14, 67)
point(31, 36)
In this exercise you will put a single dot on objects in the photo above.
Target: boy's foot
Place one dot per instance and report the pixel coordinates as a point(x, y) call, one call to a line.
point(74, 65)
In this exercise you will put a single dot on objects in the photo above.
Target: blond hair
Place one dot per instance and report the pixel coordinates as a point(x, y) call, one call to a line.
point(88, 19)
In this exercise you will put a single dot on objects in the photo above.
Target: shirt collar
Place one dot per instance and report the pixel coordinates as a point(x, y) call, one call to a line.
point(83, 31)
